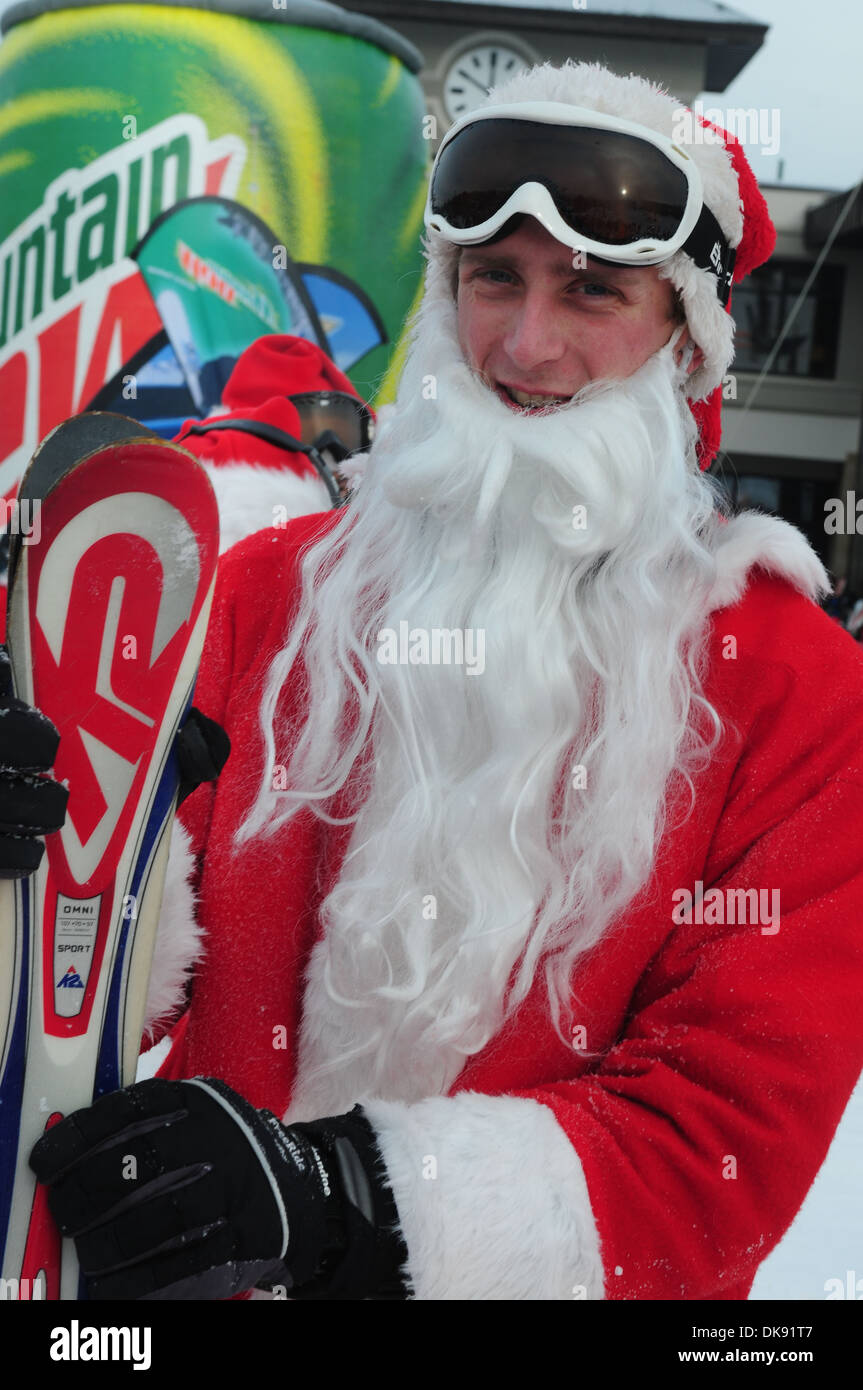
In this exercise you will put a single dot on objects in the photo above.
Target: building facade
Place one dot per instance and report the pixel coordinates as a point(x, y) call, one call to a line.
point(468, 45)
point(790, 437)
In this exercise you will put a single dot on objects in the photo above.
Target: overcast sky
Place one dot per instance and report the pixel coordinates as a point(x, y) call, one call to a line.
point(810, 70)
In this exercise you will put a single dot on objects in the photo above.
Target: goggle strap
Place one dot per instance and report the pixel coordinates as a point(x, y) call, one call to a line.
point(273, 435)
point(709, 250)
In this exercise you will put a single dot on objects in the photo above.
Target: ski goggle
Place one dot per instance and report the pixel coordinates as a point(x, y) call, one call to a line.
point(599, 184)
point(346, 416)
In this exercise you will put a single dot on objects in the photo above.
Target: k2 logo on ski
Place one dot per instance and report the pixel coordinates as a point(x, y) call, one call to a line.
point(71, 980)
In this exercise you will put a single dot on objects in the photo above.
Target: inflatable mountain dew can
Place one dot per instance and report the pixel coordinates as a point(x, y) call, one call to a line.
point(293, 118)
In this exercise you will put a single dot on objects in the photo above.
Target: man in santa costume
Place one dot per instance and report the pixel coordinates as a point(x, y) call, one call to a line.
point(524, 968)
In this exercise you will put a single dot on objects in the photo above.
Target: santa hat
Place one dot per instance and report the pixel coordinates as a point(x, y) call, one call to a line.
point(730, 192)
point(257, 477)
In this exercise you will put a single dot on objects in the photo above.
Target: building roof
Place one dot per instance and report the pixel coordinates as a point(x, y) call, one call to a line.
point(820, 221)
point(730, 36)
point(704, 11)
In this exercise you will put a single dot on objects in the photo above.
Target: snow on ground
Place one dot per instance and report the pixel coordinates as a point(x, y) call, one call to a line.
point(825, 1240)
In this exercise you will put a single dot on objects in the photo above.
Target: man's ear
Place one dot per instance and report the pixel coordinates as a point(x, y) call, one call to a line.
point(697, 360)
point(689, 353)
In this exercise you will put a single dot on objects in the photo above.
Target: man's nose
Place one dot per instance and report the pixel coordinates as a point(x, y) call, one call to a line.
point(535, 334)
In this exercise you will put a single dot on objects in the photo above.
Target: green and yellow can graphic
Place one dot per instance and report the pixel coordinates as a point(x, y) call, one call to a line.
point(308, 116)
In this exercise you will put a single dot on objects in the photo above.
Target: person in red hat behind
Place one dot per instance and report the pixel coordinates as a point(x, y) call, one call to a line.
point(283, 393)
point(522, 971)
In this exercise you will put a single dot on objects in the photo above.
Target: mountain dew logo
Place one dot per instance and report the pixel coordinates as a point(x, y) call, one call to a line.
point(90, 218)
point(72, 305)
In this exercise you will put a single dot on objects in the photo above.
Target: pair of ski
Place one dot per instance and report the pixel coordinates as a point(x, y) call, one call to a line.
point(106, 615)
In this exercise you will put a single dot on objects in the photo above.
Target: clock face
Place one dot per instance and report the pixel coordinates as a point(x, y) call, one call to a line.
point(470, 76)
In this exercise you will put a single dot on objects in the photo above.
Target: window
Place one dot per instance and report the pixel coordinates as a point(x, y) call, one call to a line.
point(763, 302)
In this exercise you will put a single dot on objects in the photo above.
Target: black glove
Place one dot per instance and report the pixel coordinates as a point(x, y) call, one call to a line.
point(202, 751)
point(31, 803)
point(182, 1190)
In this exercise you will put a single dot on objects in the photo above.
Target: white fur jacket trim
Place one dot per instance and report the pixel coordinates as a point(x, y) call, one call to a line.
point(455, 1164)
point(179, 939)
point(252, 498)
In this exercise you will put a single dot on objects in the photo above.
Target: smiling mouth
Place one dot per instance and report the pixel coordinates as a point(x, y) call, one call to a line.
point(524, 400)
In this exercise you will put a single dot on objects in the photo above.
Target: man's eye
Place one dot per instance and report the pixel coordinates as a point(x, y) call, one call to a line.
point(487, 274)
point(595, 285)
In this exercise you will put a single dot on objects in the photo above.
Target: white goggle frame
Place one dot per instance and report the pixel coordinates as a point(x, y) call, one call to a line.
point(534, 198)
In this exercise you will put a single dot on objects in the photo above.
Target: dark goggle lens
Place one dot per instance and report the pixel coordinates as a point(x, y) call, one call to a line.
point(606, 185)
point(346, 416)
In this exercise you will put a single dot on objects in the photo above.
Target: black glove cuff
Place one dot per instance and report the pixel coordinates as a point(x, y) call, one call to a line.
point(372, 1253)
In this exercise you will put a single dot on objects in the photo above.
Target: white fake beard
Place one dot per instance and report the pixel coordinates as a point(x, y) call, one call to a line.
point(479, 850)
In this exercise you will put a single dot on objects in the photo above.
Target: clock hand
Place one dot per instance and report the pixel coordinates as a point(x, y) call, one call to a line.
point(472, 79)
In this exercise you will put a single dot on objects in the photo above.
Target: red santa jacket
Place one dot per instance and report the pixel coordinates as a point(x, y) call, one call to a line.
point(666, 1157)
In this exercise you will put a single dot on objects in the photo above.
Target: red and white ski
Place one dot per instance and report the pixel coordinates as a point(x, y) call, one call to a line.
point(106, 617)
